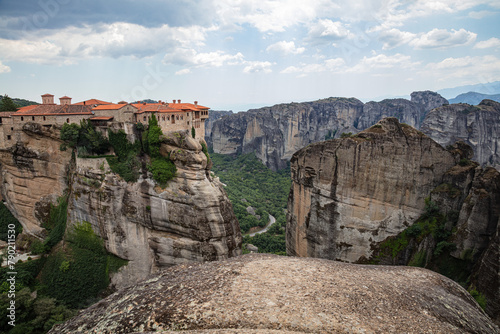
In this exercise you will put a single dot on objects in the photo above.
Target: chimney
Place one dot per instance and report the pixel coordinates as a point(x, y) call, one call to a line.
point(65, 100)
point(195, 103)
point(84, 102)
point(178, 101)
point(159, 101)
point(173, 101)
point(48, 99)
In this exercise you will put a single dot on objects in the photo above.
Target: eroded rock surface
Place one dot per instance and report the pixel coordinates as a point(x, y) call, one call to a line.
point(34, 173)
point(265, 294)
point(478, 126)
point(191, 220)
point(349, 194)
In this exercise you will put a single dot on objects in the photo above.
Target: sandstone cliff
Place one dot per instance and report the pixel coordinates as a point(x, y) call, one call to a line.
point(191, 220)
point(270, 294)
point(392, 195)
point(349, 194)
point(213, 116)
point(34, 173)
point(275, 133)
point(478, 126)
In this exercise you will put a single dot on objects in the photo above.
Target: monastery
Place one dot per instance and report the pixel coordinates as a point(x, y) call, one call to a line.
point(173, 116)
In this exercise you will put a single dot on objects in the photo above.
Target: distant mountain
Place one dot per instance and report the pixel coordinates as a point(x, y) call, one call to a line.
point(20, 102)
point(483, 88)
point(474, 98)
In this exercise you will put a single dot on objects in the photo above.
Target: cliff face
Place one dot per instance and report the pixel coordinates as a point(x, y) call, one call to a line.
point(275, 133)
point(213, 116)
point(259, 293)
point(478, 126)
point(191, 220)
point(350, 194)
point(363, 199)
point(34, 173)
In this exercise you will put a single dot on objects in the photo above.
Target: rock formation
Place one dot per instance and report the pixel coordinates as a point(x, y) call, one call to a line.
point(478, 126)
point(353, 198)
point(191, 220)
point(213, 116)
point(348, 194)
point(34, 173)
point(258, 293)
point(275, 133)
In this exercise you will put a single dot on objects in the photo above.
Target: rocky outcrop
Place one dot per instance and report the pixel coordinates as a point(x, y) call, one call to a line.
point(478, 126)
point(258, 293)
point(213, 116)
point(428, 99)
point(349, 194)
point(191, 220)
point(391, 195)
point(34, 173)
point(474, 98)
point(275, 133)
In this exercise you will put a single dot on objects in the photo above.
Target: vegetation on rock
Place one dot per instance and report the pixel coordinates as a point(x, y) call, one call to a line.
point(6, 218)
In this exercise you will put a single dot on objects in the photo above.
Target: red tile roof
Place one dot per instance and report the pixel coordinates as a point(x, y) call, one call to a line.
point(109, 107)
point(27, 108)
point(47, 95)
point(6, 113)
point(53, 109)
point(92, 102)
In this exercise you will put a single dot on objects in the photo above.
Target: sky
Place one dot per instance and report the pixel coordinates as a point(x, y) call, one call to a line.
point(238, 54)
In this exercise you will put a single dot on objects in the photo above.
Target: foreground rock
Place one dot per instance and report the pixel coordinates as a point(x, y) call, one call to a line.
point(260, 293)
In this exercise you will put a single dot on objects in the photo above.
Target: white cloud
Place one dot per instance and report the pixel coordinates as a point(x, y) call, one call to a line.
point(481, 14)
point(464, 70)
point(442, 38)
point(329, 65)
point(257, 67)
point(381, 61)
point(393, 37)
point(490, 43)
point(285, 48)
point(184, 71)
point(4, 68)
point(102, 40)
point(325, 30)
point(190, 57)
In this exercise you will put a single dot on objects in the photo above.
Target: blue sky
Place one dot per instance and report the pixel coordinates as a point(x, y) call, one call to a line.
point(236, 54)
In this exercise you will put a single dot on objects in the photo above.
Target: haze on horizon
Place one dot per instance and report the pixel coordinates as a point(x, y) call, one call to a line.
point(230, 54)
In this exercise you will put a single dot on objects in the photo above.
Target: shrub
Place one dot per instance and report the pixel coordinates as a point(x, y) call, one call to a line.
point(163, 170)
point(346, 135)
point(193, 132)
point(479, 297)
point(6, 219)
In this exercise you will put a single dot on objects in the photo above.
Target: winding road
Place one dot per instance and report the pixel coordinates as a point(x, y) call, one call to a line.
point(272, 220)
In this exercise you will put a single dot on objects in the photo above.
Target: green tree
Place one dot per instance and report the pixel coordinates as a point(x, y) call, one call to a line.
point(6, 104)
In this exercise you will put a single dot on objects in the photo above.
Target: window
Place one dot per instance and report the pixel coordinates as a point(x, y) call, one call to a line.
point(44, 118)
point(8, 137)
point(177, 117)
point(144, 118)
point(22, 118)
point(182, 117)
point(168, 118)
point(32, 118)
point(188, 122)
point(0, 120)
point(67, 120)
point(164, 118)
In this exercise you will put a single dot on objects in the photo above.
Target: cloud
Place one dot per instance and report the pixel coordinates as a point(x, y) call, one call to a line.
point(270, 15)
point(329, 65)
point(442, 38)
point(285, 48)
point(327, 31)
point(257, 67)
point(490, 43)
point(381, 61)
point(393, 37)
point(466, 69)
point(481, 14)
point(190, 57)
point(4, 68)
point(103, 40)
point(184, 71)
